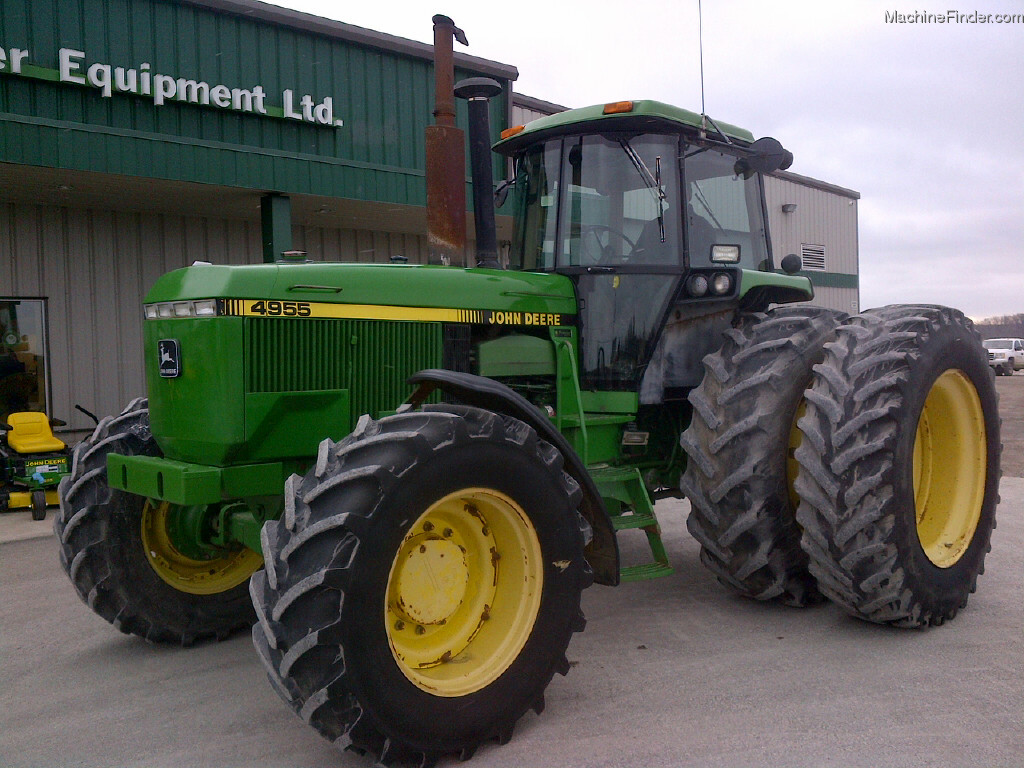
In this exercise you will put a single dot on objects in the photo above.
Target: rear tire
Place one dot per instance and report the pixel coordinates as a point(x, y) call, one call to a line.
point(346, 633)
point(38, 505)
point(739, 467)
point(899, 467)
point(102, 549)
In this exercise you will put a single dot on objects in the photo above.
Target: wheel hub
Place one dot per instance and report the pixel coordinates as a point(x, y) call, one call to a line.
point(464, 591)
point(431, 580)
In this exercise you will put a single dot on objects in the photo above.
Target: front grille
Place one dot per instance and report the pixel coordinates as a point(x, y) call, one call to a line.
point(370, 358)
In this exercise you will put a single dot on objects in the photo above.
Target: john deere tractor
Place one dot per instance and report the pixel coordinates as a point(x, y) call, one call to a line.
point(404, 476)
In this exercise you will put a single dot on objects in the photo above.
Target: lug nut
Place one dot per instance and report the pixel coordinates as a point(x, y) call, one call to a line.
point(428, 526)
point(420, 630)
point(399, 625)
point(448, 533)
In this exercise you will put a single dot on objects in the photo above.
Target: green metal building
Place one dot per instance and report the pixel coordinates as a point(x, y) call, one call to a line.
point(137, 136)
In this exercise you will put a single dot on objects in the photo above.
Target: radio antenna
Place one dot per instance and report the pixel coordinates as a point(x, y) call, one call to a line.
point(700, 46)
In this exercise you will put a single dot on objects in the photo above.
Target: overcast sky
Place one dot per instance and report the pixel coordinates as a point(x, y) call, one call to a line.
point(925, 120)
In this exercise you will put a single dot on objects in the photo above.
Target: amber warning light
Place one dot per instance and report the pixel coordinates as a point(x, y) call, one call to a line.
point(617, 107)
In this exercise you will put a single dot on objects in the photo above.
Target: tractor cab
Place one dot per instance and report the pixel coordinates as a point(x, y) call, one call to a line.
point(644, 212)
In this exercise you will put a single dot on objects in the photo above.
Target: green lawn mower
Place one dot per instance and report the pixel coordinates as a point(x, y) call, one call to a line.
point(32, 462)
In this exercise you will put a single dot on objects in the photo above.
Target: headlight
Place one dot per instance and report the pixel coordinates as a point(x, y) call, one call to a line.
point(725, 254)
point(696, 285)
point(721, 284)
point(163, 309)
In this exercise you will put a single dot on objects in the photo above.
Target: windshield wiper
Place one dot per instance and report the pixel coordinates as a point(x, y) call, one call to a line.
point(653, 181)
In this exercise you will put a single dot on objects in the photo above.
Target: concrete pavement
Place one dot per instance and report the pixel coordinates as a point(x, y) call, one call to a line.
point(674, 672)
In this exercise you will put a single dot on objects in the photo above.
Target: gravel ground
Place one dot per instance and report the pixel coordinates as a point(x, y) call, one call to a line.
point(1011, 409)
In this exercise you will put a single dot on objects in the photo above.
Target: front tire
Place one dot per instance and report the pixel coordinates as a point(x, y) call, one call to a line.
point(424, 583)
point(739, 467)
point(899, 467)
point(115, 549)
point(39, 505)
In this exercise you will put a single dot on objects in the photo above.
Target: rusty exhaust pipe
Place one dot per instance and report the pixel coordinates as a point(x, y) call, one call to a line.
point(446, 159)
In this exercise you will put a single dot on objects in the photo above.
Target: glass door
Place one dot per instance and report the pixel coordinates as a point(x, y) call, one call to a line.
point(24, 367)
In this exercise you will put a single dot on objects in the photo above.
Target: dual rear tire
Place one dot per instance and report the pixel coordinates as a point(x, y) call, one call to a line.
point(887, 501)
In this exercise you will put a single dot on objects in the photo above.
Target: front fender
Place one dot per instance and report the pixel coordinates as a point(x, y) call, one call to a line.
point(603, 551)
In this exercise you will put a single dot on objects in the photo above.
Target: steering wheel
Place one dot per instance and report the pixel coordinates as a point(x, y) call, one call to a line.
point(602, 252)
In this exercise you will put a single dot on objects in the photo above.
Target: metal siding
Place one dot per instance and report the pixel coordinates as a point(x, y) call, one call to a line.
point(385, 99)
point(821, 218)
point(522, 115)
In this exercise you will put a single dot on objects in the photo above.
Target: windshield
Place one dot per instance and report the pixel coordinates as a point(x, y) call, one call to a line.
point(998, 344)
point(615, 201)
point(598, 201)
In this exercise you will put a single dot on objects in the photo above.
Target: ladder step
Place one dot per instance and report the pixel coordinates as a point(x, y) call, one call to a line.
point(613, 474)
point(644, 572)
point(626, 522)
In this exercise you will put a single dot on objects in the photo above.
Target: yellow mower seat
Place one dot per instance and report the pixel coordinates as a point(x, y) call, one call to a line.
point(30, 433)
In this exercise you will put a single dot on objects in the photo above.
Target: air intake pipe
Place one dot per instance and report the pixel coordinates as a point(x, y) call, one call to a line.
point(478, 91)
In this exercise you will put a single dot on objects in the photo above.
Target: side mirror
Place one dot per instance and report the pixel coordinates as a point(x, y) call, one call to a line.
point(791, 264)
point(766, 155)
point(501, 193)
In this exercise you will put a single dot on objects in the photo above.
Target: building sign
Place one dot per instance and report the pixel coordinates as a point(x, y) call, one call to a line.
point(74, 67)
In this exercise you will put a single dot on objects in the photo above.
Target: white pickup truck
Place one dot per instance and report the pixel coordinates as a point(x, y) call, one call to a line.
point(1005, 355)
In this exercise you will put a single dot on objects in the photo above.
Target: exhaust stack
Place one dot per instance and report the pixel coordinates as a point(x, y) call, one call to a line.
point(478, 91)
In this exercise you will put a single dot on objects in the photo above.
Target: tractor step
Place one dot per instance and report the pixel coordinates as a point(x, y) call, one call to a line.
point(643, 572)
point(630, 508)
point(633, 520)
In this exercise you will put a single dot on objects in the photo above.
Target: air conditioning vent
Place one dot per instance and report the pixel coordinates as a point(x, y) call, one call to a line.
point(813, 257)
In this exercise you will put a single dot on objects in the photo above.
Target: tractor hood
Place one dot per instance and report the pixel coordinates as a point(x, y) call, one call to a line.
point(370, 291)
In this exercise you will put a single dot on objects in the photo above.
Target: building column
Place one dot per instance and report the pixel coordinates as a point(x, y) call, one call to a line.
point(276, 221)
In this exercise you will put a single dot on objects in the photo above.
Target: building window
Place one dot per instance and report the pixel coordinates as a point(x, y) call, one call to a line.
point(813, 257)
point(23, 356)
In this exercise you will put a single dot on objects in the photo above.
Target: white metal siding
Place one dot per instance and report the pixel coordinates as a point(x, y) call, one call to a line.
point(822, 218)
point(522, 115)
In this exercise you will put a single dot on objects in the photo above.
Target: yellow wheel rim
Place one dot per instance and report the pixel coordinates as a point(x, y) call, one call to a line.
point(197, 577)
point(463, 592)
point(950, 458)
point(796, 437)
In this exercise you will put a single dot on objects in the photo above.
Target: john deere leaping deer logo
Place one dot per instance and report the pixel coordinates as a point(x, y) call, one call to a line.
point(170, 358)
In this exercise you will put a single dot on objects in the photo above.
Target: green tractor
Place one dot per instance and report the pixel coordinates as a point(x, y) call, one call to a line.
point(412, 565)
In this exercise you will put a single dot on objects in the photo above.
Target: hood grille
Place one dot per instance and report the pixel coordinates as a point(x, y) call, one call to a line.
point(370, 358)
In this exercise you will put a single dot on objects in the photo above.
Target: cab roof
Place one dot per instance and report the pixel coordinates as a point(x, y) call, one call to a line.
point(647, 116)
